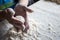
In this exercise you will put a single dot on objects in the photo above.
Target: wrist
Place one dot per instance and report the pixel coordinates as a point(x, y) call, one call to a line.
point(21, 4)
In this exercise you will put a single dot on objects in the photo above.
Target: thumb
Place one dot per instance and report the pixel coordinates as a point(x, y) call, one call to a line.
point(27, 9)
point(10, 11)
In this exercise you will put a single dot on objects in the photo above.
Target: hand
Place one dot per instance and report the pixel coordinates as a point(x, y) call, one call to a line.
point(16, 23)
point(8, 14)
point(13, 20)
point(21, 10)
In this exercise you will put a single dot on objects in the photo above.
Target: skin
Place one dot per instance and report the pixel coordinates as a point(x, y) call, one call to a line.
point(6, 14)
point(24, 2)
point(19, 10)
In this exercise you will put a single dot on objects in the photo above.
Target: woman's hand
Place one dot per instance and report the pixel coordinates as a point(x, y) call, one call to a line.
point(9, 15)
point(16, 23)
point(22, 11)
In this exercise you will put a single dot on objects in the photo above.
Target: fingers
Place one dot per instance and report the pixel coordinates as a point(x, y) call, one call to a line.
point(22, 8)
point(27, 9)
point(15, 20)
point(10, 11)
point(17, 24)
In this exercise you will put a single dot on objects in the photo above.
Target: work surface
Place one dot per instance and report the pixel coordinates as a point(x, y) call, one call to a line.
point(44, 23)
point(47, 16)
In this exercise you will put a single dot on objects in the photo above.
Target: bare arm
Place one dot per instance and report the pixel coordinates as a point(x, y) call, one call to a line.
point(23, 2)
